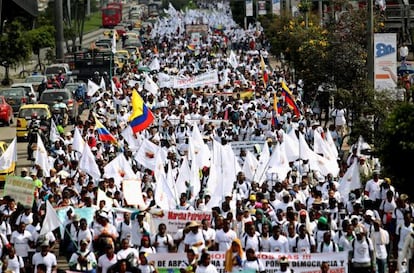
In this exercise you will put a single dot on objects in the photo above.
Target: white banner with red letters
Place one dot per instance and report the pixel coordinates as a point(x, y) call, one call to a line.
point(302, 263)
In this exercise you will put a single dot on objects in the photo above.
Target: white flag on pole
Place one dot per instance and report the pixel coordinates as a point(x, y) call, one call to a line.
point(42, 158)
point(350, 181)
point(54, 133)
point(233, 60)
point(51, 221)
point(155, 65)
point(88, 164)
point(9, 156)
point(78, 142)
point(150, 85)
point(113, 46)
point(92, 88)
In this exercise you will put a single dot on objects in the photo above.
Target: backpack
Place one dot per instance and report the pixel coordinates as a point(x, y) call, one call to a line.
point(353, 247)
point(333, 246)
point(258, 240)
point(297, 240)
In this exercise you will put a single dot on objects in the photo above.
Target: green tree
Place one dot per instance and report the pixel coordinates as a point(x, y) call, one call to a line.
point(15, 47)
point(398, 145)
point(41, 37)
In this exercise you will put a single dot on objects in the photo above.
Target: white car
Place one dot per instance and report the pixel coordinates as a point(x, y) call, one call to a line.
point(30, 91)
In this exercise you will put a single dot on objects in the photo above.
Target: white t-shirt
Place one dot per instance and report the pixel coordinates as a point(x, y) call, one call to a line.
point(279, 245)
point(373, 189)
point(163, 242)
point(191, 239)
point(14, 264)
point(304, 245)
point(205, 269)
point(21, 242)
point(253, 242)
point(256, 265)
point(104, 262)
point(49, 260)
point(123, 253)
point(224, 239)
point(361, 250)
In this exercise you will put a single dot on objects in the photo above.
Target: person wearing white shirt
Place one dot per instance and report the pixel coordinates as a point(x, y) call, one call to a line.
point(380, 239)
point(278, 242)
point(362, 252)
point(327, 245)
point(204, 264)
point(45, 257)
point(225, 236)
point(83, 260)
point(252, 262)
point(106, 260)
point(194, 238)
point(21, 239)
point(305, 243)
point(13, 262)
point(252, 238)
point(126, 251)
point(372, 188)
point(209, 234)
point(162, 241)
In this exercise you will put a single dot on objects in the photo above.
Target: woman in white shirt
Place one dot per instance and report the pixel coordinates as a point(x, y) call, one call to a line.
point(13, 262)
point(204, 265)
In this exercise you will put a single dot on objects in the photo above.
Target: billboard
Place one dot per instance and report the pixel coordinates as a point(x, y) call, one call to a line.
point(385, 60)
point(249, 8)
point(262, 7)
point(276, 7)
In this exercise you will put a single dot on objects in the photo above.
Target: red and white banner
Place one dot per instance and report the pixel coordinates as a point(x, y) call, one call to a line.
point(176, 219)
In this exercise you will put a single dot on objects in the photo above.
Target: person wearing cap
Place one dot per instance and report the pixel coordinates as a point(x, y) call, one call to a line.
point(194, 238)
point(362, 253)
point(84, 259)
point(284, 266)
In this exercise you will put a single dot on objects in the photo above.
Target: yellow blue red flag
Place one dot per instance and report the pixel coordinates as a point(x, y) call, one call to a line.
point(141, 116)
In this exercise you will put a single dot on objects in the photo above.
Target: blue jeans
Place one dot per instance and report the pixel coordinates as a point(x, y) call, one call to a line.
point(382, 265)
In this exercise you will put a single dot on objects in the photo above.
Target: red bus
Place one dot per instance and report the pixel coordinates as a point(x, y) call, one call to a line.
point(115, 5)
point(111, 16)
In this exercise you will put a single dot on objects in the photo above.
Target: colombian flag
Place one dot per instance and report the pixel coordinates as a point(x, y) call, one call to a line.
point(141, 116)
point(264, 72)
point(290, 101)
point(103, 133)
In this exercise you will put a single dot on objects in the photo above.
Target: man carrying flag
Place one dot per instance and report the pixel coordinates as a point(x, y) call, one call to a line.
point(141, 116)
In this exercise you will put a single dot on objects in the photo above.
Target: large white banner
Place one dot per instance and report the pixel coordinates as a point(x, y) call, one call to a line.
point(205, 79)
point(299, 262)
point(249, 8)
point(385, 60)
point(176, 219)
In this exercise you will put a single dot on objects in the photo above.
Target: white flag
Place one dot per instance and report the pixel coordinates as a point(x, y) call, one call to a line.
point(88, 164)
point(54, 133)
point(92, 88)
point(9, 156)
point(51, 221)
point(42, 158)
point(102, 84)
point(128, 135)
point(78, 142)
point(249, 165)
point(163, 194)
point(150, 85)
point(101, 196)
point(350, 181)
point(146, 154)
point(113, 47)
point(155, 65)
point(233, 60)
point(119, 168)
point(184, 176)
point(263, 165)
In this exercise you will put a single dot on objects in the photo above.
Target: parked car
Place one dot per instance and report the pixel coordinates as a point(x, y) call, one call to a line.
point(25, 116)
point(30, 91)
point(54, 69)
point(16, 97)
point(6, 112)
point(51, 96)
point(9, 171)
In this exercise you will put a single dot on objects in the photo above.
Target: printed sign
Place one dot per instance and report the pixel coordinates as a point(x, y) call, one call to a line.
point(205, 79)
point(21, 189)
point(262, 8)
point(385, 60)
point(249, 8)
point(338, 262)
point(176, 219)
point(276, 7)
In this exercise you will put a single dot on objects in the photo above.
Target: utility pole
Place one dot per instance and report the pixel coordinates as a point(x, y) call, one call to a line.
point(59, 29)
point(370, 47)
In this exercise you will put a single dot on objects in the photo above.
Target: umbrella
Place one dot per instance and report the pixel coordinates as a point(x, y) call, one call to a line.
point(405, 69)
